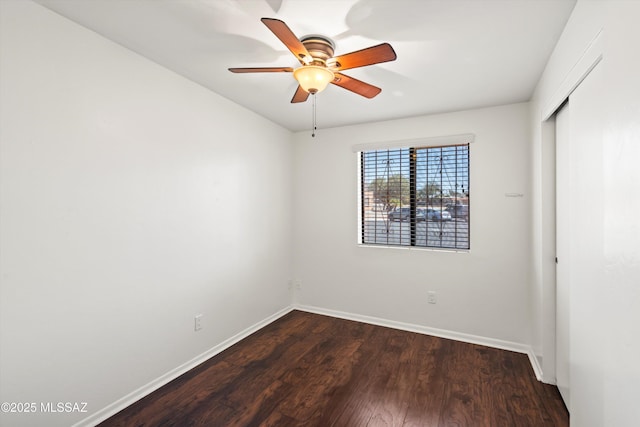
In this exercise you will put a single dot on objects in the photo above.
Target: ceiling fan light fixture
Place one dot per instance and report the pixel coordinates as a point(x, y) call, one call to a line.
point(313, 78)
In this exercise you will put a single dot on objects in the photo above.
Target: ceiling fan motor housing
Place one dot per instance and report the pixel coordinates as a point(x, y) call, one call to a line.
point(319, 47)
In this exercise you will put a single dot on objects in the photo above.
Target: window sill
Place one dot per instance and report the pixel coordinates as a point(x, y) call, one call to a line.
point(415, 248)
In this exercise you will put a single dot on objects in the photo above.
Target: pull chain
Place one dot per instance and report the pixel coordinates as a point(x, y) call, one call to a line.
point(314, 124)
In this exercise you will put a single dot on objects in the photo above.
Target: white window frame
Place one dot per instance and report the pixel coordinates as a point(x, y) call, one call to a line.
point(428, 142)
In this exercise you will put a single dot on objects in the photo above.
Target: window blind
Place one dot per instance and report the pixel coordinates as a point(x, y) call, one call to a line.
point(415, 196)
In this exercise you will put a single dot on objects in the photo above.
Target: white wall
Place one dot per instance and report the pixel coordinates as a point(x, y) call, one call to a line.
point(483, 292)
point(614, 299)
point(621, 228)
point(131, 200)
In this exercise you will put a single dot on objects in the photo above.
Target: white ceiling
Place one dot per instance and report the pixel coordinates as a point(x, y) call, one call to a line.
point(452, 54)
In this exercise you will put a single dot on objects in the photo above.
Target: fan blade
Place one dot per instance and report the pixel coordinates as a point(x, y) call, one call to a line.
point(286, 36)
point(356, 86)
point(262, 70)
point(369, 56)
point(301, 95)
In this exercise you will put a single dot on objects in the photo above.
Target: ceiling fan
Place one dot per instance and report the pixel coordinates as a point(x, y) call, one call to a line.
point(318, 65)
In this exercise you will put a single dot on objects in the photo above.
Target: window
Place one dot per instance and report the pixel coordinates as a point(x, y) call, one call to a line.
point(416, 196)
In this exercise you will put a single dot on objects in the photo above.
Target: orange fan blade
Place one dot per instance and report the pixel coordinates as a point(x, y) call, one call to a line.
point(301, 95)
point(369, 56)
point(356, 86)
point(286, 36)
point(262, 70)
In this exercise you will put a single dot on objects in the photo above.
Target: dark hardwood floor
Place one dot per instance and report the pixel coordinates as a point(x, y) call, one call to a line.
point(310, 370)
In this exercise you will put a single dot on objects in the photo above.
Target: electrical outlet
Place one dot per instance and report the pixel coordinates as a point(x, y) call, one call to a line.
point(298, 284)
point(431, 297)
point(197, 324)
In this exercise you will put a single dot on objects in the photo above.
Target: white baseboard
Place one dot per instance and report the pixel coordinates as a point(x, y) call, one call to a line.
point(537, 367)
point(442, 333)
point(152, 386)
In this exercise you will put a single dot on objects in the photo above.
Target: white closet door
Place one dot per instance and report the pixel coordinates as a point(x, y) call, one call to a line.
point(587, 337)
point(580, 333)
point(563, 232)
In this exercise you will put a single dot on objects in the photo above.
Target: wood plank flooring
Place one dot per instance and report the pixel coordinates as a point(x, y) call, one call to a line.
point(311, 370)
